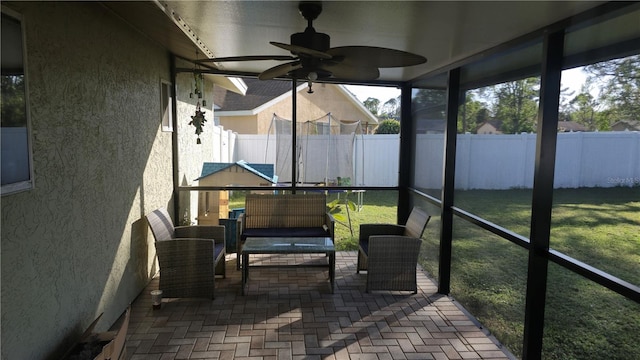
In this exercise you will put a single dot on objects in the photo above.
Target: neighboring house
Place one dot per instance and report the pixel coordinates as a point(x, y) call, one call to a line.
point(626, 125)
point(252, 113)
point(493, 127)
point(489, 127)
point(571, 126)
point(214, 205)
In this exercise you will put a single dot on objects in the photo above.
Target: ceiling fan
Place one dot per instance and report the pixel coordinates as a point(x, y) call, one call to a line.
point(313, 58)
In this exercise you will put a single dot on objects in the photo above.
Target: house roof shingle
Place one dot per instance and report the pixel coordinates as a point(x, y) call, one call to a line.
point(628, 125)
point(258, 93)
point(569, 126)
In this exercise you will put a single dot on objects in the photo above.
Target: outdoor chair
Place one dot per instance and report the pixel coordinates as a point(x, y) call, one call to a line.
point(392, 263)
point(189, 256)
point(416, 223)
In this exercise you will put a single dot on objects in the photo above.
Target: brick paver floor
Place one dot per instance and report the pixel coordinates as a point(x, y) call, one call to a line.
point(290, 313)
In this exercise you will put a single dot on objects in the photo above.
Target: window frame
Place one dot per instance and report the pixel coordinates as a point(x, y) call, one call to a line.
point(166, 105)
point(28, 184)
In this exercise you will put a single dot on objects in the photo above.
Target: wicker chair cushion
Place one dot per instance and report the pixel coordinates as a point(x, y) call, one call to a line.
point(364, 245)
point(218, 249)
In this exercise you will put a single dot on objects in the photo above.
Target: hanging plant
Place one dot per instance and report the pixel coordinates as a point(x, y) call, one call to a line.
point(198, 121)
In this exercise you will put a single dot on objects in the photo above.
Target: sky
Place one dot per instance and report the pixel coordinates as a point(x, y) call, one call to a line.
point(573, 78)
point(381, 93)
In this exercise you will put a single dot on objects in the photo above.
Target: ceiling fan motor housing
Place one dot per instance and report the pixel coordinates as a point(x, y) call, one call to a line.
point(311, 40)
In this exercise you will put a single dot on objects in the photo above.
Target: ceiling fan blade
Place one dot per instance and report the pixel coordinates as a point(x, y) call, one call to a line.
point(249, 58)
point(376, 56)
point(347, 71)
point(295, 49)
point(279, 70)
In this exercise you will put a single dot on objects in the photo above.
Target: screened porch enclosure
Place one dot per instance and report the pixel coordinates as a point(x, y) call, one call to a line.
point(437, 114)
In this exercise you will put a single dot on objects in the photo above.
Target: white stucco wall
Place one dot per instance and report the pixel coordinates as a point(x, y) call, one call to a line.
point(77, 244)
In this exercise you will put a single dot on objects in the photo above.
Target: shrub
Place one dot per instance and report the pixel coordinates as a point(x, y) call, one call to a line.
point(388, 126)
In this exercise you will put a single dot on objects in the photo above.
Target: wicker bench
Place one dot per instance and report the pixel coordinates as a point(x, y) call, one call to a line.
point(289, 215)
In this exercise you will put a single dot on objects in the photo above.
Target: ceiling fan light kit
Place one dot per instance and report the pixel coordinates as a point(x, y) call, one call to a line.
point(313, 58)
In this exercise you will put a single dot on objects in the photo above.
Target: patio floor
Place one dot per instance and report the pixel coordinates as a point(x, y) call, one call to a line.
point(289, 313)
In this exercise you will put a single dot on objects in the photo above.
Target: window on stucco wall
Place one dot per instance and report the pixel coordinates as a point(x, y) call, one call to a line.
point(17, 172)
point(166, 101)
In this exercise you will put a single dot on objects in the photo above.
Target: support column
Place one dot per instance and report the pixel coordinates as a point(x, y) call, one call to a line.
point(175, 158)
point(448, 181)
point(294, 134)
point(407, 154)
point(542, 200)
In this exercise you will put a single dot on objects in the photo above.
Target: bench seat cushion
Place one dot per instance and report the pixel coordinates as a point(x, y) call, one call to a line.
point(219, 250)
point(285, 232)
point(364, 246)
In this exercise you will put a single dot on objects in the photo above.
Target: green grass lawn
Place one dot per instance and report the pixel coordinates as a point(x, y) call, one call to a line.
point(600, 227)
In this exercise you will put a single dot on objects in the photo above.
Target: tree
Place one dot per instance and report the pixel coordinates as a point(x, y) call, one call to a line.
point(388, 126)
point(584, 110)
point(471, 114)
point(620, 90)
point(372, 104)
point(565, 108)
point(13, 103)
point(391, 109)
point(483, 114)
point(517, 105)
point(430, 102)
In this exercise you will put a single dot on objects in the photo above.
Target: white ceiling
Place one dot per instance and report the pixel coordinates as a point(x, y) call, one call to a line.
point(442, 31)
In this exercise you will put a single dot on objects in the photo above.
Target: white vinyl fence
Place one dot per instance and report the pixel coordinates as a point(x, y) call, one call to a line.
point(376, 157)
point(584, 159)
point(226, 140)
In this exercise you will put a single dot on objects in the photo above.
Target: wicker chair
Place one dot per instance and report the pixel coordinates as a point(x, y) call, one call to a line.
point(414, 228)
point(189, 256)
point(392, 263)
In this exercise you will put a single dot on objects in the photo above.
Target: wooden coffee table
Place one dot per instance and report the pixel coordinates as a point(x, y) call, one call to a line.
point(289, 245)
